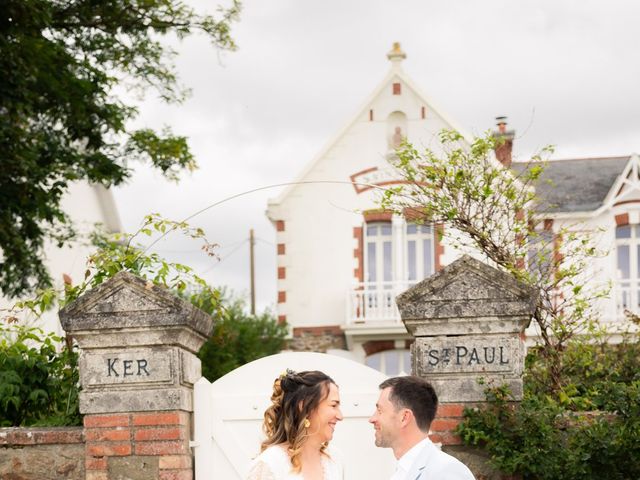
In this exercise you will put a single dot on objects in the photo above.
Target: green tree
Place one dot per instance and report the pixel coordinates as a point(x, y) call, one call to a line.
point(239, 338)
point(61, 120)
point(496, 212)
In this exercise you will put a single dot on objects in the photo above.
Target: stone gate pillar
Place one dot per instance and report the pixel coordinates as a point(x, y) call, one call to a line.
point(137, 369)
point(468, 321)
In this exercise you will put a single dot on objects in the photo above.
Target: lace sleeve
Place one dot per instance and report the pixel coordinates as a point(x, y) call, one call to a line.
point(260, 471)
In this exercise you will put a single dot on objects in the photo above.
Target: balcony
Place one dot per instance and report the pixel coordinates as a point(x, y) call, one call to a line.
point(374, 303)
point(627, 296)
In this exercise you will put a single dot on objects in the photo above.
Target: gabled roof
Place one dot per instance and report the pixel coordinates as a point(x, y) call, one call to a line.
point(576, 185)
point(395, 72)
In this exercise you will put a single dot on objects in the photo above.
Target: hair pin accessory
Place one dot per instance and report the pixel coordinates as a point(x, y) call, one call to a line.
point(287, 372)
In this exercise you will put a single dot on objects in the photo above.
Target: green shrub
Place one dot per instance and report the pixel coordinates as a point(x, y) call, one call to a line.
point(38, 379)
point(590, 429)
point(240, 338)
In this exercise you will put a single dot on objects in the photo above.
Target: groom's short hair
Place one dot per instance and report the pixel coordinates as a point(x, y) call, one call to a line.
point(417, 395)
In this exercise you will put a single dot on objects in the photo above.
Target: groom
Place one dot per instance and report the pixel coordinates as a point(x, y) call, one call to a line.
point(405, 409)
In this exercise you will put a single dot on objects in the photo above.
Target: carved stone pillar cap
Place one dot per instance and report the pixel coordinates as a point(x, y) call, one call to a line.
point(467, 297)
point(126, 302)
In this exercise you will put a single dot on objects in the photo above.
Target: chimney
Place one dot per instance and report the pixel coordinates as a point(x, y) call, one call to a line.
point(504, 144)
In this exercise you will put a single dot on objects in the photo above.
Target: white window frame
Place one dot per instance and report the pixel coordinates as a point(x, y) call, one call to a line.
point(380, 242)
point(628, 288)
point(399, 240)
point(424, 233)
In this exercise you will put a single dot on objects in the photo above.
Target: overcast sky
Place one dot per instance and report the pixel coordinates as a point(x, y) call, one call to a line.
point(565, 72)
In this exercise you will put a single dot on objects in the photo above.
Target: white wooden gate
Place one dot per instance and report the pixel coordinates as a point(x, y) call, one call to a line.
point(228, 416)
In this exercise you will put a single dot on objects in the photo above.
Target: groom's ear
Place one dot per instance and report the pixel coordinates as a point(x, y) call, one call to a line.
point(407, 417)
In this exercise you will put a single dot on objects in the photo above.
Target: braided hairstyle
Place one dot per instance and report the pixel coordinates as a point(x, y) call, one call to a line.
point(295, 396)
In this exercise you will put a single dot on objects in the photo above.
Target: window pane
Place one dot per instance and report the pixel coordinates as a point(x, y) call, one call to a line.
point(426, 228)
point(427, 249)
point(386, 246)
point(623, 261)
point(391, 362)
point(637, 231)
point(373, 361)
point(412, 228)
point(385, 229)
point(372, 230)
point(411, 259)
point(623, 232)
point(371, 262)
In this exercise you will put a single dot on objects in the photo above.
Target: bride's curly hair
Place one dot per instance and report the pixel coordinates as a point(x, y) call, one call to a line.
point(295, 396)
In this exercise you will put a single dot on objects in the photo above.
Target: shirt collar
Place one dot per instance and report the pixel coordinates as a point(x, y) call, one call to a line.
point(405, 462)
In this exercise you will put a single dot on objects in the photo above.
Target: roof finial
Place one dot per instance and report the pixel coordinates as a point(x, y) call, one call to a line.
point(396, 55)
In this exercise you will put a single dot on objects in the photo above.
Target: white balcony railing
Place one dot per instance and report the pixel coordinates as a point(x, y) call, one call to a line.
point(374, 302)
point(627, 298)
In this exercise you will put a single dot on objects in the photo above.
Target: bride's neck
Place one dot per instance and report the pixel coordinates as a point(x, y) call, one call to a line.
point(311, 449)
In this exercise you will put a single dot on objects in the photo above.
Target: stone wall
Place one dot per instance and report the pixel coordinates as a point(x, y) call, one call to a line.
point(42, 453)
point(317, 339)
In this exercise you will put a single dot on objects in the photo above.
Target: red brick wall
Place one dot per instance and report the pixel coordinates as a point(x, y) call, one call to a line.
point(622, 219)
point(447, 419)
point(358, 253)
point(164, 435)
point(377, 216)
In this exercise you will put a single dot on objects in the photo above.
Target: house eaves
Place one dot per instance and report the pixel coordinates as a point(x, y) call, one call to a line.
point(395, 73)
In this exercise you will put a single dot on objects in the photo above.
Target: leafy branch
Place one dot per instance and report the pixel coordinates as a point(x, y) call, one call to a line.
point(496, 212)
point(122, 252)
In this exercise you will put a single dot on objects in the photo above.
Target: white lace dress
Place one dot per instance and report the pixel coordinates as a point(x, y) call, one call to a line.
point(274, 464)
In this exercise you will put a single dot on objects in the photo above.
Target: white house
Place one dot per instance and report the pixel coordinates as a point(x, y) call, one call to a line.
point(341, 261)
point(86, 204)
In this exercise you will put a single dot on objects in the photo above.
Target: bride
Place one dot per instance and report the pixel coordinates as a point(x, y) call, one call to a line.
point(304, 411)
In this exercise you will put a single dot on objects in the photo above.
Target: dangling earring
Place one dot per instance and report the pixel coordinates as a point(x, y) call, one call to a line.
point(306, 423)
